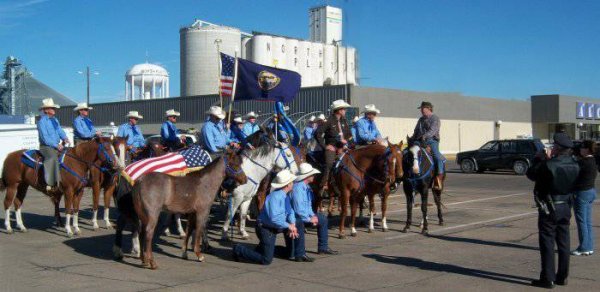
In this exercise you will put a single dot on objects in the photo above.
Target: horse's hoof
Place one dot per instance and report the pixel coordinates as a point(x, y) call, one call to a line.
point(23, 230)
point(9, 231)
point(182, 236)
point(201, 258)
point(70, 234)
point(425, 232)
point(405, 230)
point(77, 232)
point(184, 255)
point(353, 234)
point(153, 266)
point(384, 229)
point(109, 227)
point(371, 230)
point(95, 227)
point(117, 253)
point(225, 238)
point(442, 223)
point(342, 236)
point(245, 237)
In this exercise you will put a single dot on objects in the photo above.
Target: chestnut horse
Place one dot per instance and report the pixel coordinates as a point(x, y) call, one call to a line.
point(190, 194)
point(17, 177)
point(420, 180)
point(371, 169)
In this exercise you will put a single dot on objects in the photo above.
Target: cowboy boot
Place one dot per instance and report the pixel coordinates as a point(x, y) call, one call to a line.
point(438, 182)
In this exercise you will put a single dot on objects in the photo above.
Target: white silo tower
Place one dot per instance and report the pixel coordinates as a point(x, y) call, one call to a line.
point(329, 65)
point(351, 63)
point(146, 81)
point(279, 51)
point(262, 49)
point(316, 64)
point(304, 62)
point(291, 54)
point(199, 46)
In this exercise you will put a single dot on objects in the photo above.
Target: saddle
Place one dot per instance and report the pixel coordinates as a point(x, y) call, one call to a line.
point(33, 159)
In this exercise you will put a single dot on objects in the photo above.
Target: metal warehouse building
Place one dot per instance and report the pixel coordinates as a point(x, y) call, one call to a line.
point(467, 121)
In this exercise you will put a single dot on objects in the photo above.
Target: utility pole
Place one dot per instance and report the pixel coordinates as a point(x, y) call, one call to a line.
point(87, 81)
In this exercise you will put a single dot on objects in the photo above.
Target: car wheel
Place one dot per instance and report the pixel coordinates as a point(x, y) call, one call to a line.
point(467, 166)
point(520, 167)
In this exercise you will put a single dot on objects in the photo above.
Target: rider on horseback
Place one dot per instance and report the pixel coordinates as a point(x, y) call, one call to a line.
point(50, 137)
point(334, 136)
point(168, 132)
point(427, 133)
point(366, 129)
point(135, 138)
point(250, 127)
point(214, 138)
point(83, 128)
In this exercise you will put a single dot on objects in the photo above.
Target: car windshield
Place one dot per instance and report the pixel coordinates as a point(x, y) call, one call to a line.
point(489, 146)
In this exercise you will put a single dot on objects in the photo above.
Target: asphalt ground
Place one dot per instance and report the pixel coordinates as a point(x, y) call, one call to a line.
point(489, 243)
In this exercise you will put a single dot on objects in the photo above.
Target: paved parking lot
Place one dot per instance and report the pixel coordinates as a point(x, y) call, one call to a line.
point(489, 243)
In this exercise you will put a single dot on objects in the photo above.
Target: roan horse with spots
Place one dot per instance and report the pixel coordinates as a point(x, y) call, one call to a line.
point(191, 194)
point(419, 180)
point(17, 177)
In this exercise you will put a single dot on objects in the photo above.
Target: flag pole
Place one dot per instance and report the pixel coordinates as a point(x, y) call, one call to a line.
point(235, 71)
point(219, 65)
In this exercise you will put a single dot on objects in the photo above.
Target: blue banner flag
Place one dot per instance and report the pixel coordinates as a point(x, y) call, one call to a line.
point(259, 82)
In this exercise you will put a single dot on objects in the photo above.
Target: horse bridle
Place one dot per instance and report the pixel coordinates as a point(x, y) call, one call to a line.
point(419, 159)
point(284, 155)
point(230, 170)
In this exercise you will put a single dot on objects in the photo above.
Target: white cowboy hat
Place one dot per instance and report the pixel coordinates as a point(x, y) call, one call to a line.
point(251, 115)
point(135, 115)
point(305, 170)
point(81, 106)
point(172, 113)
point(355, 119)
point(338, 104)
point(216, 111)
point(370, 108)
point(282, 179)
point(312, 119)
point(321, 117)
point(238, 120)
point(48, 103)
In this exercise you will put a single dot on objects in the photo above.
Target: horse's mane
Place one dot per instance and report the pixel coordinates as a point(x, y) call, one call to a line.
point(262, 142)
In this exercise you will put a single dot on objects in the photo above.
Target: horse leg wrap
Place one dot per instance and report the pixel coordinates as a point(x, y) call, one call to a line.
point(7, 220)
point(94, 219)
point(20, 224)
point(107, 218)
point(68, 225)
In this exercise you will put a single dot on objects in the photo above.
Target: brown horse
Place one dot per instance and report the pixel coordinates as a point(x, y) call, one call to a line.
point(420, 180)
point(17, 177)
point(191, 194)
point(371, 169)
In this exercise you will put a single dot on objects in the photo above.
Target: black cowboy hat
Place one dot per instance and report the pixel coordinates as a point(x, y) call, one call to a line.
point(426, 104)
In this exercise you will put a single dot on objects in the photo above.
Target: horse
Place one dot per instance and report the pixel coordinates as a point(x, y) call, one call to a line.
point(190, 194)
point(368, 170)
point(257, 164)
point(420, 180)
point(17, 177)
point(105, 179)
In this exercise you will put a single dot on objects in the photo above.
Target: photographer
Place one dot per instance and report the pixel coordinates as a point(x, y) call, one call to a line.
point(554, 173)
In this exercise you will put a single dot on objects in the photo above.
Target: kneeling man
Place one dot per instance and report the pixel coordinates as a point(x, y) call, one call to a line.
point(302, 197)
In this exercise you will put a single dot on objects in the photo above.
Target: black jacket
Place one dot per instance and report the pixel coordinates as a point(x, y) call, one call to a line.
point(553, 177)
point(329, 133)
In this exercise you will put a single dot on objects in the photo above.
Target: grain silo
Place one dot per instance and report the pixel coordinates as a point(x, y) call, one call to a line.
point(199, 46)
point(261, 49)
point(291, 54)
point(329, 64)
point(279, 50)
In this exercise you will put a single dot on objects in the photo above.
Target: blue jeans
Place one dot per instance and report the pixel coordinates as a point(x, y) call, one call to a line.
point(297, 246)
point(435, 151)
point(263, 253)
point(583, 216)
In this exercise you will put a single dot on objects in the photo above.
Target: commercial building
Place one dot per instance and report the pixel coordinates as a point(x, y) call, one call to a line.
point(577, 116)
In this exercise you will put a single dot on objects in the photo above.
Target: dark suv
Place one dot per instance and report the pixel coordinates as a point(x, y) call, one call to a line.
point(501, 154)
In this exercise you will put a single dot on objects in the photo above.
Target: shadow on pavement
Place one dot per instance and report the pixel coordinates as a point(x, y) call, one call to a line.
point(482, 242)
point(448, 268)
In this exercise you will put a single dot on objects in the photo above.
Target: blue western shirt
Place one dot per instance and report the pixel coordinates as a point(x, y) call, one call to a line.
point(277, 211)
point(366, 131)
point(214, 138)
point(250, 128)
point(83, 128)
point(168, 132)
point(134, 135)
point(237, 135)
point(49, 131)
point(302, 197)
point(309, 133)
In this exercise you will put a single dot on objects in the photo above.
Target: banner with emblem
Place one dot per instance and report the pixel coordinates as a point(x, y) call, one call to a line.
point(259, 82)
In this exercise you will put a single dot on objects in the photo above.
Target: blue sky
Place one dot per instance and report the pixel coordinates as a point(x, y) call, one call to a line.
point(504, 49)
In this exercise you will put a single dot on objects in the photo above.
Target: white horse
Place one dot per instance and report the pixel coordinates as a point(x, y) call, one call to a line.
point(257, 164)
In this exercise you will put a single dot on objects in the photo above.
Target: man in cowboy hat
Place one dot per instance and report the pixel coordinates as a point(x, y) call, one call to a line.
point(309, 131)
point(250, 127)
point(214, 138)
point(237, 136)
point(276, 217)
point(276, 126)
point(427, 133)
point(554, 174)
point(366, 129)
point(302, 198)
point(131, 130)
point(168, 132)
point(83, 128)
point(334, 136)
point(50, 136)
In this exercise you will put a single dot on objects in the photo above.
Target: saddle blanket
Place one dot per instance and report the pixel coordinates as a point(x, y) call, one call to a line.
point(177, 164)
point(29, 158)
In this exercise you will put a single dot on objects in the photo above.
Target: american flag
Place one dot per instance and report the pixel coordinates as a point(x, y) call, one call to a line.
point(172, 163)
point(227, 69)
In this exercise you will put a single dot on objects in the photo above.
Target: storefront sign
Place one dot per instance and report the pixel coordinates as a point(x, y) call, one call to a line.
point(590, 112)
point(581, 110)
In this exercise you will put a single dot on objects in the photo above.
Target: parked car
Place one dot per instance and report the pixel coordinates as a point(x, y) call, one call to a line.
point(516, 154)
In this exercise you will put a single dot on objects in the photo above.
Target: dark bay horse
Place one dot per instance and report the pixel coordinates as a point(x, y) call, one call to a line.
point(368, 170)
point(419, 177)
point(17, 177)
point(190, 194)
